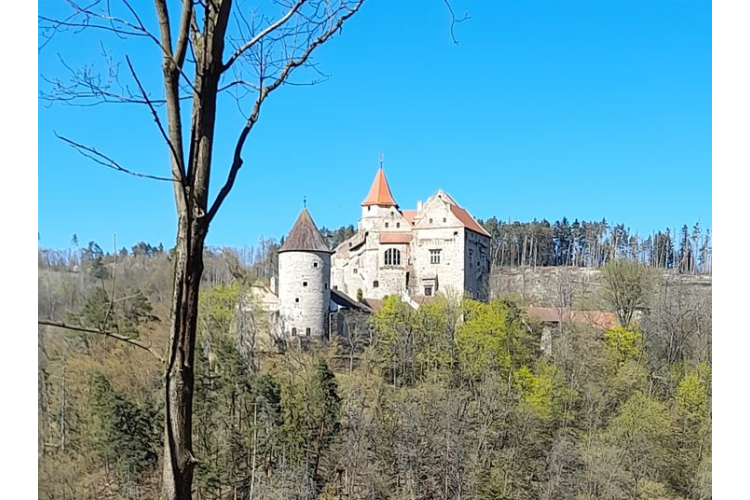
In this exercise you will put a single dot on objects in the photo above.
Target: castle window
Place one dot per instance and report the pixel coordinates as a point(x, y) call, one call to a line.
point(304, 283)
point(296, 300)
point(315, 264)
point(392, 257)
point(398, 224)
point(325, 287)
point(455, 233)
point(335, 287)
point(355, 270)
point(307, 332)
point(427, 291)
point(375, 284)
point(386, 225)
point(294, 331)
point(434, 256)
point(445, 220)
point(430, 221)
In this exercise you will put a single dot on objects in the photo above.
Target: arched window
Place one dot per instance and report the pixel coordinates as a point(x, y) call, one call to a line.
point(392, 257)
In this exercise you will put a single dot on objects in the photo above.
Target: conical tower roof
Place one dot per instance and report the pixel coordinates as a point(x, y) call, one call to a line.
point(304, 236)
point(380, 193)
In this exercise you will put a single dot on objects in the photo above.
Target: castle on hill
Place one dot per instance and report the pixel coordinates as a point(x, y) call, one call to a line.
point(438, 247)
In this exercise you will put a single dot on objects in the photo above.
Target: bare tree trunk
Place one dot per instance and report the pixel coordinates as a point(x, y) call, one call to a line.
point(178, 447)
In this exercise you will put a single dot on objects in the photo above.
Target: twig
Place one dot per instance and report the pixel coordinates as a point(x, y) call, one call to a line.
point(113, 335)
point(102, 159)
point(263, 34)
point(454, 20)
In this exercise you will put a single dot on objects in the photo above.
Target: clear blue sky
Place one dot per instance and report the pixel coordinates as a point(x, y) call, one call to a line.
point(585, 109)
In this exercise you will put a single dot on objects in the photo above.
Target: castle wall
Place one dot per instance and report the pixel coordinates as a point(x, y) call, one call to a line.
point(304, 292)
point(462, 266)
point(437, 229)
point(477, 265)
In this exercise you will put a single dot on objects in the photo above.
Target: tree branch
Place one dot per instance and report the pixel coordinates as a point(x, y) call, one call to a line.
point(102, 159)
point(183, 33)
point(454, 20)
point(113, 335)
point(264, 92)
point(177, 158)
point(270, 29)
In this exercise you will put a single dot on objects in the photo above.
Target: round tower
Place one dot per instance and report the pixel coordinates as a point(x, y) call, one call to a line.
point(304, 280)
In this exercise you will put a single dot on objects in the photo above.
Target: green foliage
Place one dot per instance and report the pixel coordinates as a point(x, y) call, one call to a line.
point(218, 308)
point(125, 433)
point(310, 414)
point(545, 393)
point(641, 429)
point(693, 394)
point(492, 337)
point(623, 344)
point(453, 399)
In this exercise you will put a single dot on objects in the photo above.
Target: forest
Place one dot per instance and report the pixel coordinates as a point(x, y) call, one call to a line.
point(452, 400)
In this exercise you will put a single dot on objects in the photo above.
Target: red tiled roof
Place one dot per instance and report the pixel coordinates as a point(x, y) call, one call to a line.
point(599, 319)
point(395, 238)
point(374, 304)
point(380, 193)
point(409, 215)
point(467, 220)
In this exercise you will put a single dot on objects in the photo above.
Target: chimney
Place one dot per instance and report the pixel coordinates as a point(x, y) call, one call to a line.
point(419, 206)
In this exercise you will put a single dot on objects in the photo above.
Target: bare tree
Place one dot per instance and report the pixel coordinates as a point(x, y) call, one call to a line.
point(627, 286)
point(208, 47)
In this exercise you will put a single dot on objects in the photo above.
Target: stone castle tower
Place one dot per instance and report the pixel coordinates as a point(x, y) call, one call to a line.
point(304, 280)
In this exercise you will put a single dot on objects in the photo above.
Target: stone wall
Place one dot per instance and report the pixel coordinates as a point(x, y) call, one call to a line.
point(477, 265)
point(304, 292)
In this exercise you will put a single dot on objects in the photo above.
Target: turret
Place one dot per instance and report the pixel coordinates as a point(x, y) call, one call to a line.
point(304, 280)
point(378, 203)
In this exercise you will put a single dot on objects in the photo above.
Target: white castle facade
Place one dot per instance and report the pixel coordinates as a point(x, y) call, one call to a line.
point(438, 247)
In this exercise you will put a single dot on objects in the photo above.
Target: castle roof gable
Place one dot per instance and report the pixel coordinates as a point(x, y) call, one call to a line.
point(305, 236)
point(468, 221)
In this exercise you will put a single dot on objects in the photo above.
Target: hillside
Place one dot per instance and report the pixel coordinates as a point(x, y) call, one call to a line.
point(540, 286)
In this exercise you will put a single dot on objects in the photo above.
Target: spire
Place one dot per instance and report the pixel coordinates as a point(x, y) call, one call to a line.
point(304, 236)
point(380, 193)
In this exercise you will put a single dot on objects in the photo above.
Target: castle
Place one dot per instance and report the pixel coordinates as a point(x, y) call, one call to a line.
point(414, 254)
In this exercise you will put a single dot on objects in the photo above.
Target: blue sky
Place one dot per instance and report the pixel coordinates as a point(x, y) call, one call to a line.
point(586, 109)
